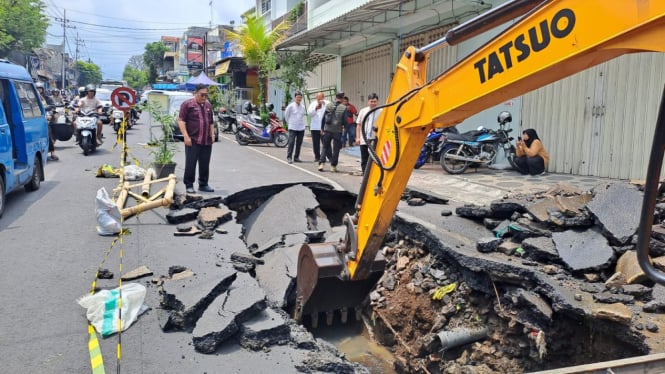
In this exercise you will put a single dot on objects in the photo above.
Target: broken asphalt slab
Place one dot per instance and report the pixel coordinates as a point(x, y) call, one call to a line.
point(617, 207)
point(222, 319)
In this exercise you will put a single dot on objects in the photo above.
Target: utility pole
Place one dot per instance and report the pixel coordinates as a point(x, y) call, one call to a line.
point(64, 21)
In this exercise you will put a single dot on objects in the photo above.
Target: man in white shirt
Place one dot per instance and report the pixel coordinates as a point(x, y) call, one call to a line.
point(294, 115)
point(91, 104)
point(368, 128)
point(316, 110)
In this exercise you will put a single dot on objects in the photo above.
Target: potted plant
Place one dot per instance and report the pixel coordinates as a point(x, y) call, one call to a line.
point(163, 148)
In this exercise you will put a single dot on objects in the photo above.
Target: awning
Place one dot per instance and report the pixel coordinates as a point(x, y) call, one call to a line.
point(378, 21)
point(222, 68)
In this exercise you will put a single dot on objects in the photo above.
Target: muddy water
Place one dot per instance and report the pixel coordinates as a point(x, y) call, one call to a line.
point(353, 340)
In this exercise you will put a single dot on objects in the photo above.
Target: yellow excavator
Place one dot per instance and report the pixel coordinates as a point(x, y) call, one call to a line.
point(549, 40)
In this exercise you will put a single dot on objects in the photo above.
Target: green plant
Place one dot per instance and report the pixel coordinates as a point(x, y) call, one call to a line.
point(164, 147)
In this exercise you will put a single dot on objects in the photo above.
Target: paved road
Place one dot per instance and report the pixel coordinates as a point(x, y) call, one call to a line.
point(50, 251)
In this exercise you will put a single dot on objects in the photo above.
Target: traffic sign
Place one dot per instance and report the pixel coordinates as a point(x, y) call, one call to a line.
point(123, 98)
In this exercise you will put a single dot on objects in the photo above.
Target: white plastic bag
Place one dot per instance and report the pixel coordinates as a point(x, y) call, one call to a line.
point(102, 307)
point(133, 173)
point(108, 214)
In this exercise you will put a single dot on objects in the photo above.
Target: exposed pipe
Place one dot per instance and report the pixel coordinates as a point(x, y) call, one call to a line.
point(460, 336)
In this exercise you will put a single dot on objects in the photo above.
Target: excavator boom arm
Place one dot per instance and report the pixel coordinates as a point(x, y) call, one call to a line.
point(554, 40)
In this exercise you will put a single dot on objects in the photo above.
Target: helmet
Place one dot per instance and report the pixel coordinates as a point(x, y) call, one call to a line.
point(81, 89)
point(39, 85)
point(90, 87)
point(504, 117)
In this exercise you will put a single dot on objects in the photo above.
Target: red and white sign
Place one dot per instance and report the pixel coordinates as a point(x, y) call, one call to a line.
point(123, 98)
point(385, 152)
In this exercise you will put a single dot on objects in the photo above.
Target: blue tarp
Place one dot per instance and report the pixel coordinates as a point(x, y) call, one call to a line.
point(200, 79)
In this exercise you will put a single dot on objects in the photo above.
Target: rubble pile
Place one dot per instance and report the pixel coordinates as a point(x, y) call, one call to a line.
point(550, 280)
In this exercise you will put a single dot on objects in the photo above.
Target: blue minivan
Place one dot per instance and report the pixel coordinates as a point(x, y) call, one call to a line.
point(23, 132)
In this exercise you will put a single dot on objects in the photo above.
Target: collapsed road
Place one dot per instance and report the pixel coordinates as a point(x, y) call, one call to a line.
point(529, 282)
point(432, 241)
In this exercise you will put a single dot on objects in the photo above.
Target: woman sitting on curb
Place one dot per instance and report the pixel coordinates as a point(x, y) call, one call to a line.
point(531, 156)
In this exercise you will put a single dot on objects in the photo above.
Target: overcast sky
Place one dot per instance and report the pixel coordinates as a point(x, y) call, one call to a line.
point(111, 31)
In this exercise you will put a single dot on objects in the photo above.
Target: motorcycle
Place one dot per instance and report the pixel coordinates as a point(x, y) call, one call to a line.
point(86, 131)
point(227, 120)
point(129, 116)
point(477, 147)
point(251, 128)
point(59, 117)
point(432, 147)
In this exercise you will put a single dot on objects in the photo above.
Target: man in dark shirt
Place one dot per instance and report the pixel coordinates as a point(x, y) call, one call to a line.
point(196, 125)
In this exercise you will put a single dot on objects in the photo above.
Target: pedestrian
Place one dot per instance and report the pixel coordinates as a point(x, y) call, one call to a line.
point(531, 156)
point(316, 110)
point(46, 101)
point(197, 128)
point(332, 133)
point(368, 128)
point(349, 131)
point(294, 115)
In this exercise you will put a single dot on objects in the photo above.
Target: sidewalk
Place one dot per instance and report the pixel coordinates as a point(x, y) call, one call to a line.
point(479, 186)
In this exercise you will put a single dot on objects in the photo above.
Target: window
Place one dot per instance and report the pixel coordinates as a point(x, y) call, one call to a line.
point(29, 99)
point(265, 6)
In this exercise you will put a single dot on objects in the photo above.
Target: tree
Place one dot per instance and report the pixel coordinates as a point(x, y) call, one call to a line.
point(136, 79)
point(258, 46)
point(89, 73)
point(137, 62)
point(294, 68)
point(154, 59)
point(22, 25)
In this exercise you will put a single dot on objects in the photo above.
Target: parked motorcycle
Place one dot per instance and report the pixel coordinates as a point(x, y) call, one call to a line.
point(431, 150)
point(86, 131)
point(478, 147)
point(59, 117)
point(251, 128)
point(227, 120)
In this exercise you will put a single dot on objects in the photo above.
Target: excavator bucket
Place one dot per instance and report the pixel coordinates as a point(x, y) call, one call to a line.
point(322, 288)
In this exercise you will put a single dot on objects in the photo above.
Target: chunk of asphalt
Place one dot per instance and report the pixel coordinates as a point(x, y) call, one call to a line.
point(212, 201)
point(540, 249)
point(617, 207)
point(317, 220)
point(427, 196)
point(278, 275)
point(266, 329)
point(181, 216)
point(473, 211)
point(283, 213)
point(186, 303)
point(505, 208)
point(531, 309)
point(243, 300)
point(259, 250)
point(211, 217)
point(583, 250)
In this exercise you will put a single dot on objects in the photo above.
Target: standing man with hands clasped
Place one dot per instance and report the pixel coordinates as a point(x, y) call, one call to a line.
point(294, 115)
point(197, 127)
point(316, 110)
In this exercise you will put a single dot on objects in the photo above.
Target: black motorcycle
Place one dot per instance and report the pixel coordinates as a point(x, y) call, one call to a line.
point(478, 147)
point(227, 120)
point(59, 118)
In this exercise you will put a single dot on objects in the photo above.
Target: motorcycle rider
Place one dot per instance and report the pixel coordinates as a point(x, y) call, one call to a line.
point(91, 104)
point(57, 99)
point(46, 100)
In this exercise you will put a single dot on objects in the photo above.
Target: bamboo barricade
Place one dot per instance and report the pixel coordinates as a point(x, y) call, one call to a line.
point(146, 202)
point(145, 190)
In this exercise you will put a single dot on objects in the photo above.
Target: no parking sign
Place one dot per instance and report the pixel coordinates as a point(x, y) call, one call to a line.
point(123, 98)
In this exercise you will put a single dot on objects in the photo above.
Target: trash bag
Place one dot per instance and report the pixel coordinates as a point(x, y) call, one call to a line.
point(103, 312)
point(108, 214)
point(133, 173)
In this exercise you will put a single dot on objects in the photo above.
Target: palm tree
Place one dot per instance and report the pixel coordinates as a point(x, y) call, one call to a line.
point(258, 47)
